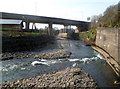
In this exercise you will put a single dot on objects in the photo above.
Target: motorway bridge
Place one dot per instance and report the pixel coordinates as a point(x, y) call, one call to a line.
point(81, 25)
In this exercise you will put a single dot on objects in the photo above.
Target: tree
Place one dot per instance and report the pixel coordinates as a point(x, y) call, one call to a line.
point(111, 17)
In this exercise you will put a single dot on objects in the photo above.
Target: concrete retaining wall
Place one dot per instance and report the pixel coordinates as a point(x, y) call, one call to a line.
point(108, 40)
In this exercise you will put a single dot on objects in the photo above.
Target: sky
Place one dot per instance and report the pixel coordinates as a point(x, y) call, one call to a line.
point(68, 9)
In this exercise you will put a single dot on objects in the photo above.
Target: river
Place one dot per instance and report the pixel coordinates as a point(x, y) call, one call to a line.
point(83, 57)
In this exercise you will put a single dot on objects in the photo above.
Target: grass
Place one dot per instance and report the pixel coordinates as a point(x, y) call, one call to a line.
point(76, 72)
point(19, 34)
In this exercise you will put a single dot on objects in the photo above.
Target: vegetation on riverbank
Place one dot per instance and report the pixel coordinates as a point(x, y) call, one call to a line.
point(88, 37)
point(24, 41)
point(19, 34)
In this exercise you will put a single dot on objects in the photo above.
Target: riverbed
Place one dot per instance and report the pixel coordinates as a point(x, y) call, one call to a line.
point(82, 56)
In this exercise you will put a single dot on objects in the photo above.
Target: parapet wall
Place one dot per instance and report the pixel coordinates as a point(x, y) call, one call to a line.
point(108, 40)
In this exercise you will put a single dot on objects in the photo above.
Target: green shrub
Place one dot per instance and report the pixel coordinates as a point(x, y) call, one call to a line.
point(88, 37)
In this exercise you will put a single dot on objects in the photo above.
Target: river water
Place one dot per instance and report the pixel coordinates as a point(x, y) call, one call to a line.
point(83, 57)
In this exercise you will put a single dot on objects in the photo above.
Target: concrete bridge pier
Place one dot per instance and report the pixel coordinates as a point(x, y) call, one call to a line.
point(65, 29)
point(70, 31)
point(50, 29)
point(79, 27)
point(33, 26)
point(27, 26)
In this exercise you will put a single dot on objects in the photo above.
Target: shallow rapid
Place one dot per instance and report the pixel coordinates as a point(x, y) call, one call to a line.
point(83, 57)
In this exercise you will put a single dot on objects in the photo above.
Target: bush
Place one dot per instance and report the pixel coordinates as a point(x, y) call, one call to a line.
point(88, 37)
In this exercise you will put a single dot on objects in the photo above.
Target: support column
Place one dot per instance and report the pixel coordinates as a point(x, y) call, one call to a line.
point(50, 30)
point(34, 26)
point(70, 28)
point(65, 28)
point(21, 26)
point(70, 32)
point(79, 28)
point(27, 26)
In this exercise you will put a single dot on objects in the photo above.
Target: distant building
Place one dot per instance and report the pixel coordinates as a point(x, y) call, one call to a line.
point(10, 24)
point(76, 30)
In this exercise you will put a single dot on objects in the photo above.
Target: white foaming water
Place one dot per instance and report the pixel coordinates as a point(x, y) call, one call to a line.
point(75, 64)
point(52, 62)
point(8, 67)
point(85, 60)
point(94, 58)
point(100, 56)
point(46, 62)
point(13, 66)
point(38, 62)
point(22, 68)
point(74, 60)
point(4, 69)
point(60, 59)
point(43, 60)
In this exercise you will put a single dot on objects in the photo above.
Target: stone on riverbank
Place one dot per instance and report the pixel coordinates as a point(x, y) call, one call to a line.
point(16, 55)
point(68, 78)
point(47, 55)
point(54, 55)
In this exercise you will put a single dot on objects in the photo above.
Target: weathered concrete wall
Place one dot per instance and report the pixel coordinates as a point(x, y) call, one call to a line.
point(108, 40)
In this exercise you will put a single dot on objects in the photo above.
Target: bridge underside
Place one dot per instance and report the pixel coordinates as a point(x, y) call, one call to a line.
point(81, 25)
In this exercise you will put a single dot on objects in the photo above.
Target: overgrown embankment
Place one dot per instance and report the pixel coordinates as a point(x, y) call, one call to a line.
point(88, 37)
point(24, 41)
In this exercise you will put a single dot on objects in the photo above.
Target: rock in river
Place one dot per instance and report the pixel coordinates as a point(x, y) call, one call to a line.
point(46, 55)
point(54, 55)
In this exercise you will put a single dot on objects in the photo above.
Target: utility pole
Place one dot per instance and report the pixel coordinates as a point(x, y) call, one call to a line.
point(36, 7)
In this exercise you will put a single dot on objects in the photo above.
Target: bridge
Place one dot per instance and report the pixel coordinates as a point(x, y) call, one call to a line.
point(81, 25)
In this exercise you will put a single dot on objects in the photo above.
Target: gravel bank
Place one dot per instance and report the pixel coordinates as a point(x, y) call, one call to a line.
point(54, 55)
point(68, 78)
point(46, 55)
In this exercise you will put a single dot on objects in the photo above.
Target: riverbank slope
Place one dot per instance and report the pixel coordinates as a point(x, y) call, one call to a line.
point(24, 41)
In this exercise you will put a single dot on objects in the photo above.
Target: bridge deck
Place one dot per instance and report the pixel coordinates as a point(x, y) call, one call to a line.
point(40, 19)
